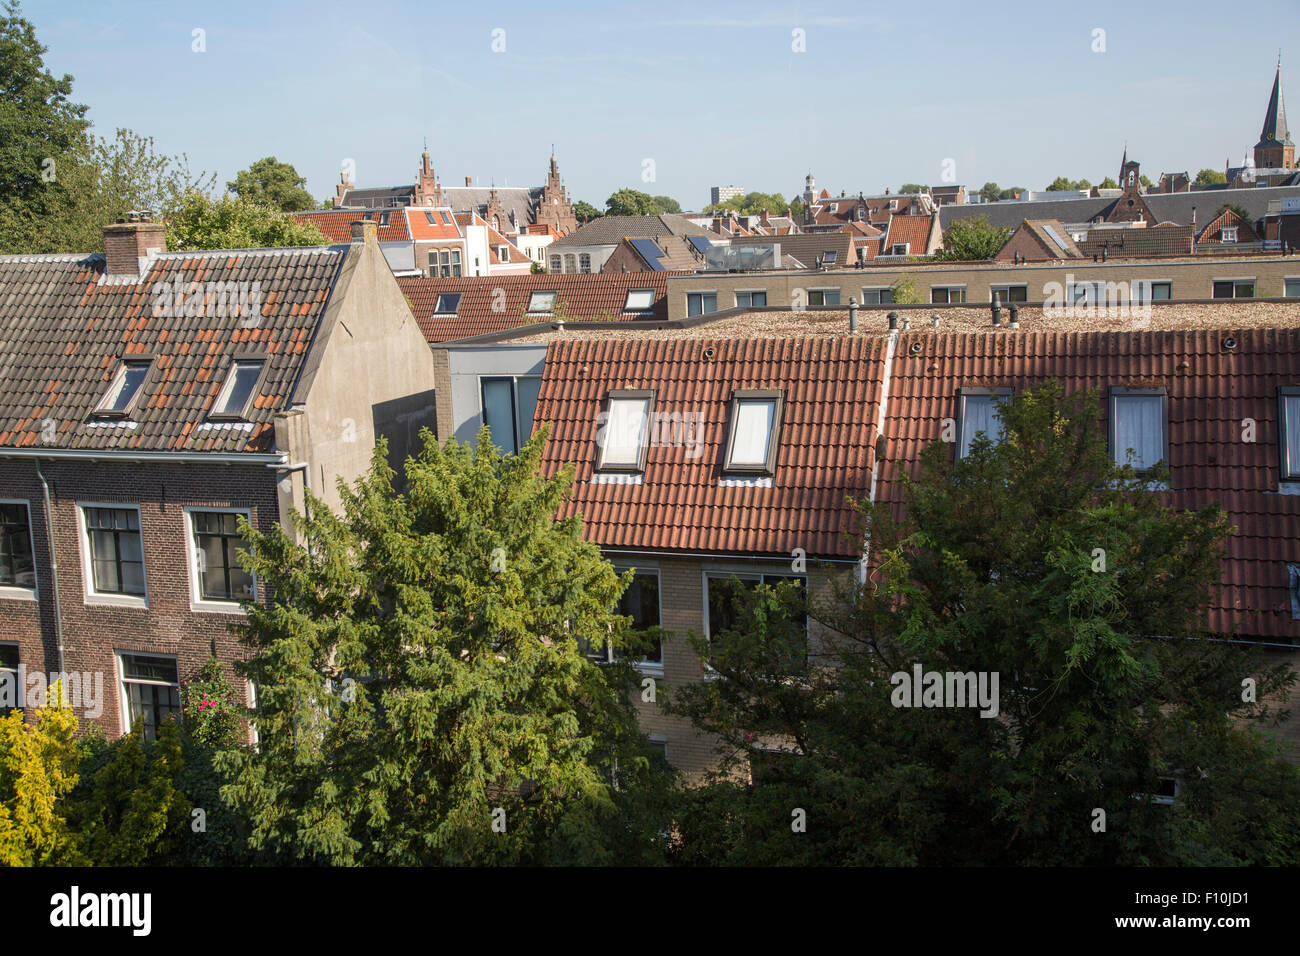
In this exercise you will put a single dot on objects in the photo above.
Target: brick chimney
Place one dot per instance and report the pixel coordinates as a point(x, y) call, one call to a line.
point(467, 181)
point(129, 245)
point(364, 230)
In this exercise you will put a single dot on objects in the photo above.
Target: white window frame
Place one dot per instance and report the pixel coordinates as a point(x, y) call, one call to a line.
point(241, 413)
point(1114, 393)
point(905, 246)
point(701, 293)
point(101, 409)
point(550, 310)
point(634, 395)
point(1228, 234)
point(514, 406)
point(16, 592)
point(738, 397)
point(198, 602)
point(107, 599)
point(627, 301)
point(879, 291)
point(124, 696)
point(645, 666)
point(751, 293)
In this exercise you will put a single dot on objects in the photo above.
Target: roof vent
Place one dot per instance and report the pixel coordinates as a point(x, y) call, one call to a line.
point(1230, 344)
point(708, 354)
point(916, 348)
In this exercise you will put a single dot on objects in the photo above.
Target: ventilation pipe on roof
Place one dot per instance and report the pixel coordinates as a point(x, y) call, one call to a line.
point(853, 316)
point(1015, 316)
point(934, 321)
point(907, 323)
point(893, 321)
point(997, 311)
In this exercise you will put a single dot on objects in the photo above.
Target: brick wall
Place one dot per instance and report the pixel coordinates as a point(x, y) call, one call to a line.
point(93, 634)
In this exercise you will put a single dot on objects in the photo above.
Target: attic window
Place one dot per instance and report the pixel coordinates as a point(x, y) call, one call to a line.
point(233, 399)
point(978, 411)
point(503, 253)
point(448, 303)
point(1229, 234)
point(121, 395)
point(828, 257)
point(541, 303)
point(1137, 427)
point(446, 218)
point(900, 248)
point(639, 300)
point(1289, 431)
point(383, 218)
point(755, 423)
point(432, 221)
point(621, 432)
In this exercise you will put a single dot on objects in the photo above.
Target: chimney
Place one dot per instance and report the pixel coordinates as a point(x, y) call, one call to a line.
point(1015, 316)
point(853, 316)
point(467, 182)
point(129, 245)
point(364, 230)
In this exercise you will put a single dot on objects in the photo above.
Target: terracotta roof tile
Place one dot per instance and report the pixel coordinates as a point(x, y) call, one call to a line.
point(337, 223)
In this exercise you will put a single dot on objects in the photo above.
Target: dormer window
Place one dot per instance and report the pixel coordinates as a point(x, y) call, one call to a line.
point(900, 248)
point(503, 253)
point(755, 424)
point(121, 395)
point(233, 399)
point(828, 257)
point(448, 303)
point(622, 431)
point(541, 303)
point(1229, 234)
point(978, 415)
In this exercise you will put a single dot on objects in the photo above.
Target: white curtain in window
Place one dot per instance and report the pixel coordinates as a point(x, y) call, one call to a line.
point(1139, 425)
point(979, 414)
point(753, 430)
point(1292, 434)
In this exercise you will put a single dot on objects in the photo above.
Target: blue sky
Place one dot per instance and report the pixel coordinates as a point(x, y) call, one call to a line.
point(711, 92)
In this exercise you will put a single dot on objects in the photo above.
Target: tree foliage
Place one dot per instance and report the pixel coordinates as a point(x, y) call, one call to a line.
point(272, 183)
point(631, 202)
point(1209, 177)
point(752, 204)
point(992, 192)
point(1038, 560)
point(1061, 183)
point(38, 768)
point(972, 238)
point(585, 212)
point(201, 222)
point(422, 694)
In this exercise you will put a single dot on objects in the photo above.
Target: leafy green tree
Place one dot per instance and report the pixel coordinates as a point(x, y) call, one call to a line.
point(273, 183)
point(904, 290)
point(208, 706)
point(1038, 560)
point(201, 222)
point(40, 127)
point(630, 202)
point(972, 238)
point(127, 809)
point(1013, 193)
point(1061, 183)
point(1146, 183)
point(38, 768)
point(585, 211)
point(909, 188)
point(667, 204)
point(1108, 183)
point(1209, 177)
point(423, 695)
point(752, 204)
point(990, 192)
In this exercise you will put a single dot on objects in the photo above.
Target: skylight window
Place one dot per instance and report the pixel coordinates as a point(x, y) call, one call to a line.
point(233, 399)
point(755, 424)
point(448, 303)
point(622, 431)
point(979, 415)
point(639, 300)
point(541, 303)
point(122, 393)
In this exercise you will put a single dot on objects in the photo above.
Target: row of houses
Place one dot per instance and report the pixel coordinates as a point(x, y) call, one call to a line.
point(150, 396)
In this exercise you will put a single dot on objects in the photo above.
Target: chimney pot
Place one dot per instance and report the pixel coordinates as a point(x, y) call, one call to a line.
point(128, 245)
point(853, 315)
point(364, 230)
point(893, 321)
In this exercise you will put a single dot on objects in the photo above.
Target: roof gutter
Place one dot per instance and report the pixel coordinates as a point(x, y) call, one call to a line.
point(784, 559)
point(54, 564)
point(207, 458)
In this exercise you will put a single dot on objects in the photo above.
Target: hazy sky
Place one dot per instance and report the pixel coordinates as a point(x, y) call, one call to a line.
point(712, 93)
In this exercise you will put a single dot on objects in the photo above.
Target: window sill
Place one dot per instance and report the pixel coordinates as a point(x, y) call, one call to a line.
point(217, 607)
point(18, 594)
point(650, 669)
point(117, 600)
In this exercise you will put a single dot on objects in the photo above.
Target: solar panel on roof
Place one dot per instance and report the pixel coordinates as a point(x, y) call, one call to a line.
point(649, 251)
point(1054, 237)
point(701, 244)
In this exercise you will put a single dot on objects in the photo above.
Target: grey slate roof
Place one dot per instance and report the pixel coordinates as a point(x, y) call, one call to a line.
point(806, 247)
point(1167, 207)
point(65, 330)
point(520, 200)
point(610, 230)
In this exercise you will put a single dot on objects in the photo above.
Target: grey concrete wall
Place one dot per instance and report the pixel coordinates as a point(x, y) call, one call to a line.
point(471, 363)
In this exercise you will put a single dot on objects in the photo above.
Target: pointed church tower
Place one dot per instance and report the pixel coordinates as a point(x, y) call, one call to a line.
point(1275, 149)
point(428, 192)
point(553, 206)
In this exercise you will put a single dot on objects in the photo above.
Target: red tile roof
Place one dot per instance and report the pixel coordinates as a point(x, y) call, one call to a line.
point(914, 230)
point(337, 223)
point(443, 226)
point(831, 390)
point(493, 303)
point(1208, 401)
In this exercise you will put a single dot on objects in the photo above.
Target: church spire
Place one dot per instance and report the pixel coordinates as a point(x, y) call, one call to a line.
point(1275, 130)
